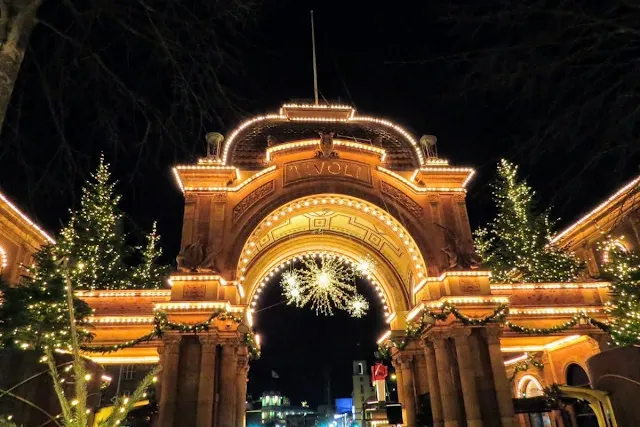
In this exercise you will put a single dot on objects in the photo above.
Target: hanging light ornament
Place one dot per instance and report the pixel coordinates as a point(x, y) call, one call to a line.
point(291, 287)
point(365, 265)
point(325, 285)
point(358, 306)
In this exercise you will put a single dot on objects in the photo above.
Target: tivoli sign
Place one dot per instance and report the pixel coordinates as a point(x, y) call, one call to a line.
point(336, 168)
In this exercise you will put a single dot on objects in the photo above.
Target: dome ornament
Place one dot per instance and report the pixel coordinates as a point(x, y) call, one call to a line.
point(326, 146)
point(214, 140)
point(428, 144)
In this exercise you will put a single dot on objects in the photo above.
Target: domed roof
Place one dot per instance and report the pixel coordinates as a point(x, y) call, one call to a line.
point(246, 146)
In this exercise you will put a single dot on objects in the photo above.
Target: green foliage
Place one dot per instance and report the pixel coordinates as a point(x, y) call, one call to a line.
point(94, 245)
point(35, 314)
point(74, 408)
point(623, 270)
point(515, 246)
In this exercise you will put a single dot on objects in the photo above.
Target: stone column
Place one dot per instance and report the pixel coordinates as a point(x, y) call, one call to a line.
point(447, 393)
point(399, 381)
point(500, 382)
point(228, 378)
point(241, 393)
point(434, 387)
point(171, 357)
point(466, 367)
point(207, 386)
point(406, 364)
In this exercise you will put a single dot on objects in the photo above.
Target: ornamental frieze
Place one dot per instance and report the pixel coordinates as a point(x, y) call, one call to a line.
point(402, 199)
point(251, 198)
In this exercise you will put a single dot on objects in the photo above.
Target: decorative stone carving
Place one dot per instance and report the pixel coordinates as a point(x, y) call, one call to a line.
point(251, 198)
point(214, 139)
point(326, 145)
point(272, 140)
point(194, 292)
point(195, 258)
point(458, 257)
point(402, 199)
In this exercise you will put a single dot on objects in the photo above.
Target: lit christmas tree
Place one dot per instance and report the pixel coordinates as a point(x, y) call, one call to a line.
point(34, 314)
point(94, 246)
point(622, 268)
point(516, 245)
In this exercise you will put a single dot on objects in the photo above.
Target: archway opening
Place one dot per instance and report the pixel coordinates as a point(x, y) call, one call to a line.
point(314, 370)
point(303, 352)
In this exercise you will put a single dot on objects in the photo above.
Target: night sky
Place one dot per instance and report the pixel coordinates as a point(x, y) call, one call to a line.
point(361, 50)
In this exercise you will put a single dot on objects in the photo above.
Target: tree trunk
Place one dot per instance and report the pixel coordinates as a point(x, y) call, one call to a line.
point(17, 19)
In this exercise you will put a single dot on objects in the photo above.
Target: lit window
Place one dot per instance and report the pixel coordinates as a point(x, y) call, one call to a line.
point(360, 369)
point(128, 372)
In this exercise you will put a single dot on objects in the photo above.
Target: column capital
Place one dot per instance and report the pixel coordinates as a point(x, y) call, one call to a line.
point(208, 341)
point(243, 364)
point(405, 361)
point(171, 343)
point(460, 333)
point(439, 339)
point(493, 334)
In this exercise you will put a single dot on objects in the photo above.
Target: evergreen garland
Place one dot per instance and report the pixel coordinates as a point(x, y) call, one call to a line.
point(161, 324)
point(516, 245)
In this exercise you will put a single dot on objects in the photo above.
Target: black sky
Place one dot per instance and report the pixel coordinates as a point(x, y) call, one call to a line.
point(359, 46)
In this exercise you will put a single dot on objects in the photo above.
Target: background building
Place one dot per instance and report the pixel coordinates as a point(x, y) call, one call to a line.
point(19, 239)
point(362, 389)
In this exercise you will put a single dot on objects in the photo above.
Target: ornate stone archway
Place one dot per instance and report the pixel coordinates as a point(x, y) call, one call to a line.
point(277, 190)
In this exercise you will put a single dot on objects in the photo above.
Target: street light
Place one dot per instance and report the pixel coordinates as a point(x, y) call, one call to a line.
point(393, 377)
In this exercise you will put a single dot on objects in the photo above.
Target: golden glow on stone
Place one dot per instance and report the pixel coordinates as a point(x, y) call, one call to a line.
point(26, 219)
point(635, 182)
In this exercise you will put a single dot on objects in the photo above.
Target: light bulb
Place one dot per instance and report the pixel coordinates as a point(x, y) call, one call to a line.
point(323, 280)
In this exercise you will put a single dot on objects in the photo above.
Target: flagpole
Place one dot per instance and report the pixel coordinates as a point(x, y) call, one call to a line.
point(315, 65)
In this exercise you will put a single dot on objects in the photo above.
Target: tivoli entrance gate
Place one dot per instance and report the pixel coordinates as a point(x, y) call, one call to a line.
point(315, 179)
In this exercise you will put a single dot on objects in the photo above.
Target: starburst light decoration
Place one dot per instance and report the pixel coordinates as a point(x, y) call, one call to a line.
point(291, 287)
point(358, 306)
point(326, 285)
point(365, 265)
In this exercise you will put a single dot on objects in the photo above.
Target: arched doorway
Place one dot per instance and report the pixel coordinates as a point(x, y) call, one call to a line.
point(529, 387)
point(581, 413)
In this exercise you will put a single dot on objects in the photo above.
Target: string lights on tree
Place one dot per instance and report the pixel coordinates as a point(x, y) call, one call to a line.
point(623, 269)
point(94, 244)
point(516, 246)
point(325, 284)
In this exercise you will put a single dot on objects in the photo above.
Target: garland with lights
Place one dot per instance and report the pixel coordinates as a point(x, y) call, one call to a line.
point(521, 367)
point(415, 329)
point(161, 324)
point(324, 285)
point(575, 320)
point(515, 246)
